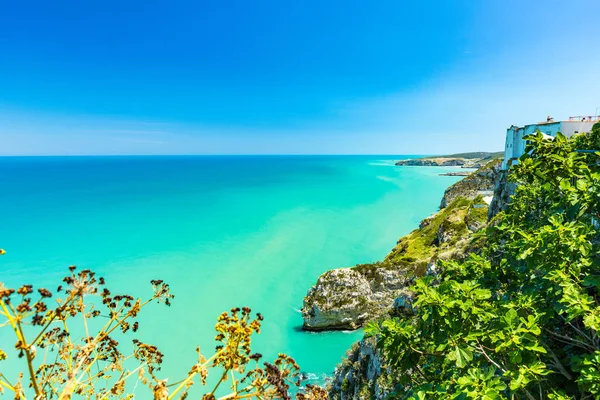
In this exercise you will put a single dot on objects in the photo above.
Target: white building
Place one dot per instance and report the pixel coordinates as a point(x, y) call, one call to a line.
point(515, 144)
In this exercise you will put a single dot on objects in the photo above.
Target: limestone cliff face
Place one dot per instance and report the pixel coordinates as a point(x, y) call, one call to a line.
point(484, 179)
point(346, 298)
point(361, 375)
point(341, 299)
point(503, 190)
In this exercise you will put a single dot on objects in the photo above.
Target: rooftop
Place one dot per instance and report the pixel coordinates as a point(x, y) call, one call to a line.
point(578, 118)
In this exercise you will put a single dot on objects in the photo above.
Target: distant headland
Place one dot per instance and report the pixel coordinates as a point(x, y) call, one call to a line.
point(464, 160)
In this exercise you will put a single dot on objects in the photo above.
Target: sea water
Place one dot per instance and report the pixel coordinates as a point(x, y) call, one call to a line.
point(223, 231)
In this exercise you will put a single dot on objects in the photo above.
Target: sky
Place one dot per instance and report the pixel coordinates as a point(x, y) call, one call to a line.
point(289, 76)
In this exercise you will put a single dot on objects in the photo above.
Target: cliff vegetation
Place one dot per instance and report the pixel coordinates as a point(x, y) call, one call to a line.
point(346, 298)
point(518, 319)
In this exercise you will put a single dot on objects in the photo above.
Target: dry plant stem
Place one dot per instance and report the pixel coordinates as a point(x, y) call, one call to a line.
point(125, 378)
point(104, 332)
point(77, 367)
point(6, 384)
point(236, 396)
point(233, 384)
point(61, 309)
point(28, 354)
point(50, 374)
point(11, 319)
point(223, 379)
point(87, 332)
point(191, 376)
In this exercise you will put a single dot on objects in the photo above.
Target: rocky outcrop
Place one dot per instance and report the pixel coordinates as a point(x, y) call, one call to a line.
point(361, 375)
point(453, 225)
point(341, 299)
point(482, 180)
point(346, 298)
point(503, 190)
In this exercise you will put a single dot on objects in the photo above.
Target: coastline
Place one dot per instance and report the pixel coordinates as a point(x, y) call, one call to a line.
point(347, 298)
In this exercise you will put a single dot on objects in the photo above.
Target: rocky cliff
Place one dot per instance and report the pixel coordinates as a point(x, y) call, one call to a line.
point(361, 374)
point(482, 180)
point(503, 190)
point(346, 298)
point(341, 299)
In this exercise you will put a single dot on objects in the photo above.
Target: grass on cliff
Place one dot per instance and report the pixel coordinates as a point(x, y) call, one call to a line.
point(414, 251)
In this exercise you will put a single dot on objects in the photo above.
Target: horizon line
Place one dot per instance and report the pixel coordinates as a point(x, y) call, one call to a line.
point(241, 154)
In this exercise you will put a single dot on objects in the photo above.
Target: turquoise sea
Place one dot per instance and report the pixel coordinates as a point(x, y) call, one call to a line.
point(223, 231)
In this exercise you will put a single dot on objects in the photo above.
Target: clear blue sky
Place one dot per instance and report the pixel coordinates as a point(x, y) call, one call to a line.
point(214, 77)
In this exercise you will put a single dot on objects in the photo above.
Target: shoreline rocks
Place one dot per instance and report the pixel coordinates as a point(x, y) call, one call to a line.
point(346, 298)
point(341, 300)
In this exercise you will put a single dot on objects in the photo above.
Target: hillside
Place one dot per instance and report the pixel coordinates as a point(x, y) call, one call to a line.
point(465, 160)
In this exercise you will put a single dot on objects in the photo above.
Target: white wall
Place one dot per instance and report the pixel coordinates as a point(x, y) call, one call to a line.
point(569, 128)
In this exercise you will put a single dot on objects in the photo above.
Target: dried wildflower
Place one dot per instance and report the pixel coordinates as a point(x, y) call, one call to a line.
point(94, 366)
point(25, 290)
point(24, 306)
point(160, 391)
point(5, 293)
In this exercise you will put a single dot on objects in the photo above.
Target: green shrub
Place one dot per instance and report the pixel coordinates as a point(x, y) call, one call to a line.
point(521, 319)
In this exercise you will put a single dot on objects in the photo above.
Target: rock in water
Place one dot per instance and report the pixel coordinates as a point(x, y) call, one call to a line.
point(341, 299)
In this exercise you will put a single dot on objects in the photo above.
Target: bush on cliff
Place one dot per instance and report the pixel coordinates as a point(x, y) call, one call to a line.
point(520, 320)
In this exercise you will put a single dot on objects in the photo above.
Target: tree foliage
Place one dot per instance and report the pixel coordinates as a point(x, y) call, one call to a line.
point(520, 320)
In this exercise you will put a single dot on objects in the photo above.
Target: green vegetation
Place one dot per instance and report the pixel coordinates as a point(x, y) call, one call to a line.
point(520, 319)
point(416, 250)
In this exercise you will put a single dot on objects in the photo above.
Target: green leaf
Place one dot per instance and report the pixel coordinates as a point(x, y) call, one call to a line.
point(463, 356)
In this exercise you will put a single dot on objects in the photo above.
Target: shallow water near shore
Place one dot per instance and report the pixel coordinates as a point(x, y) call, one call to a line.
point(223, 231)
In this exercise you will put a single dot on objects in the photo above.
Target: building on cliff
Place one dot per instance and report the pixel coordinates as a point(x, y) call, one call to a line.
point(515, 144)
